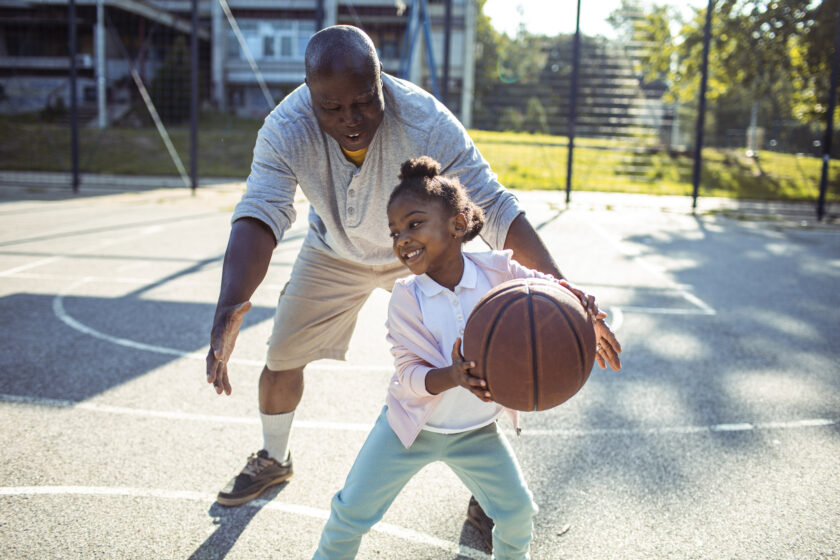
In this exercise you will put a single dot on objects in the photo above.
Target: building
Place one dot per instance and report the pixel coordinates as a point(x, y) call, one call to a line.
point(251, 51)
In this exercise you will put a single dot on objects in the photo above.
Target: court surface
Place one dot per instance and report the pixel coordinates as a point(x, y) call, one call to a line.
point(720, 438)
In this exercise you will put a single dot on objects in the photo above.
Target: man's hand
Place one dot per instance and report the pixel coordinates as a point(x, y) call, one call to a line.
point(226, 325)
point(607, 347)
point(459, 372)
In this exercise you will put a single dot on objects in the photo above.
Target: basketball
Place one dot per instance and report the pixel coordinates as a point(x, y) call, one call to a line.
point(532, 342)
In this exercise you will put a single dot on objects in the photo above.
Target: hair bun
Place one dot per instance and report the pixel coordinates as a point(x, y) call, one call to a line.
point(423, 166)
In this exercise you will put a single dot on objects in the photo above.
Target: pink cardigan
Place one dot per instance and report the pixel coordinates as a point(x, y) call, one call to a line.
point(416, 351)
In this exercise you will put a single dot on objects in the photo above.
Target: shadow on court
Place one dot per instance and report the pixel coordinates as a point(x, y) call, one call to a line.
point(230, 523)
point(46, 358)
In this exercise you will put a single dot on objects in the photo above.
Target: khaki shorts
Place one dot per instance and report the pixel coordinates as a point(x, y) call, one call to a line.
point(317, 309)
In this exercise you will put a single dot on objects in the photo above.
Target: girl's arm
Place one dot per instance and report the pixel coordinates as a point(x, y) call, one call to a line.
point(414, 348)
point(420, 365)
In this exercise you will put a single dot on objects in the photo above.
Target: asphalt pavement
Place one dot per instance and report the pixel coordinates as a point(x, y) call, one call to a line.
point(720, 437)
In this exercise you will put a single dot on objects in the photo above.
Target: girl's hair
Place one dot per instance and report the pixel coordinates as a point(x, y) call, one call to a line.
point(420, 177)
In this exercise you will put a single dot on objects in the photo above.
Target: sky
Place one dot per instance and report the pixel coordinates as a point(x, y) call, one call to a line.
point(550, 17)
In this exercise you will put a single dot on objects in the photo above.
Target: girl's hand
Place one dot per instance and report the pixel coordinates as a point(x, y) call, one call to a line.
point(459, 372)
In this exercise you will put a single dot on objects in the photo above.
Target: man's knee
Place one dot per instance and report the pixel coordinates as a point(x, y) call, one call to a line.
point(287, 379)
point(280, 391)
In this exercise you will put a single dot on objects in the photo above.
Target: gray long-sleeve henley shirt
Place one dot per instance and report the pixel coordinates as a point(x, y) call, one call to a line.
point(347, 215)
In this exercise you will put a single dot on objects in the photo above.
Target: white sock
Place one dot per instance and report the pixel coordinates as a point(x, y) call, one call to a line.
point(276, 431)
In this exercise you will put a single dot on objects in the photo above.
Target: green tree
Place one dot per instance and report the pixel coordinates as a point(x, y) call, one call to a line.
point(811, 58)
point(536, 120)
point(507, 71)
point(486, 81)
point(768, 51)
point(512, 120)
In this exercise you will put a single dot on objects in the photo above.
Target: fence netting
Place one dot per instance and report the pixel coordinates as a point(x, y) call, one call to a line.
point(629, 108)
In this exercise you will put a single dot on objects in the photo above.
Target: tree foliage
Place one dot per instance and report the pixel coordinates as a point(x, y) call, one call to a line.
point(775, 52)
point(507, 73)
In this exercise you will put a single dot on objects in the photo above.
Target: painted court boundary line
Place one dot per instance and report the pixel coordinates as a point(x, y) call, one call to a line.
point(64, 317)
point(362, 427)
point(634, 254)
point(294, 509)
point(617, 318)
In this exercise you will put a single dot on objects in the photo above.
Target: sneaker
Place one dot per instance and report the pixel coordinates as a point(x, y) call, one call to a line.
point(259, 473)
point(479, 520)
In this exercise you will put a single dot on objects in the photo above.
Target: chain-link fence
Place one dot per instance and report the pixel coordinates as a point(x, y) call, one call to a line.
point(175, 89)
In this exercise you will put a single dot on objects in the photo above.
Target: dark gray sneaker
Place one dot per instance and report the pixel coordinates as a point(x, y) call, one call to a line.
point(259, 473)
point(480, 520)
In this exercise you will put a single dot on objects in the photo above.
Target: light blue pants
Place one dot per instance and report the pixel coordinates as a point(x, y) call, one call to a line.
point(482, 459)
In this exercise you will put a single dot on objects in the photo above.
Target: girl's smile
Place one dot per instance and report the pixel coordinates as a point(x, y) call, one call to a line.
point(411, 256)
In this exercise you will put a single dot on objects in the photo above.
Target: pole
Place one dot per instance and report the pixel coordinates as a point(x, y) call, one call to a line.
point(447, 49)
point(74, 109)
point(194, 98)
point(701, 108)
point(319, 15)
point(573, 104)
point(829, 122)
point(101, 79)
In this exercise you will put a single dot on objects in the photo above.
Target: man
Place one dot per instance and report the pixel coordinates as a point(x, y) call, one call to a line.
point(342, 137)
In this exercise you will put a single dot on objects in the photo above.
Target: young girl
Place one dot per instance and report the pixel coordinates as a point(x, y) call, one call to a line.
point(435, 410)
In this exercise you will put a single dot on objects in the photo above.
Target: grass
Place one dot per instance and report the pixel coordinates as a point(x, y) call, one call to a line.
point(522, 161)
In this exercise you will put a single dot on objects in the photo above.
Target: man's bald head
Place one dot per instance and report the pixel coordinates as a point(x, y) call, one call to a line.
point(345, 81)
point(340, 48)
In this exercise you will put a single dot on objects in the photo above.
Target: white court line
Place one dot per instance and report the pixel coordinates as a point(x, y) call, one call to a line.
point(665, 311)
point(635, 255)
point(617, 318)
point(294, 509)
point(149, 230)
point(127, 280)
point(361, 427)
point(64, 317)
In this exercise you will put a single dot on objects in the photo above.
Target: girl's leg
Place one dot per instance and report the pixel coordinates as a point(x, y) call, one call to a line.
point(381, 470)
point(484, 460)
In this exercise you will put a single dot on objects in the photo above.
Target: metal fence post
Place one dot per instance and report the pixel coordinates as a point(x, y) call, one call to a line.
point(74, 106)
point(829, 122)
point(573, 104)
point(701, 107)
point(194, 97)
point(447, 49)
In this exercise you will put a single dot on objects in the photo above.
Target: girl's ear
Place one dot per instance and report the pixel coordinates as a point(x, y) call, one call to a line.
point(458, 225)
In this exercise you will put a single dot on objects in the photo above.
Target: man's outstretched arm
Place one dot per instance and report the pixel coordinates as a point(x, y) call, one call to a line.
point(246, 262)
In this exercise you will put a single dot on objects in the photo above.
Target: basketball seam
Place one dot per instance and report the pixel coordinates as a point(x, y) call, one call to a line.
point(485, 344)
point(534, 361)
point(581, 355)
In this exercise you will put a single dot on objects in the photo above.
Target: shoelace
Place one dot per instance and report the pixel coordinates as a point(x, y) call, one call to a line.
point(255, 465)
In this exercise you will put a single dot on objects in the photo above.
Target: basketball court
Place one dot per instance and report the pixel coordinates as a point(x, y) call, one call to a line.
point(720, 438)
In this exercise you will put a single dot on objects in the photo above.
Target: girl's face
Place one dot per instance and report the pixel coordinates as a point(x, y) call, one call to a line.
point(427, 238)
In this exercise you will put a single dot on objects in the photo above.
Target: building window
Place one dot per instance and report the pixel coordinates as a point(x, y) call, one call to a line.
point(272, 40)
point(286, 50)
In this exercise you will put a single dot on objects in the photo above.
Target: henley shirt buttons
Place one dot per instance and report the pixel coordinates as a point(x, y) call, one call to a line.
point(351, 192)
point(350, 210)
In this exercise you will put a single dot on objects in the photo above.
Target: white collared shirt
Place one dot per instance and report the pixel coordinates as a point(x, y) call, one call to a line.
point(445, 314)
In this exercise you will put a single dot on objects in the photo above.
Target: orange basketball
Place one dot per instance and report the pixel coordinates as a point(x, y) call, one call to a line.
point(533, 343)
